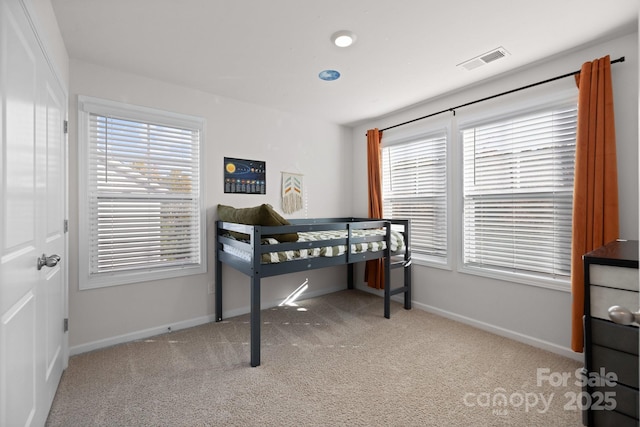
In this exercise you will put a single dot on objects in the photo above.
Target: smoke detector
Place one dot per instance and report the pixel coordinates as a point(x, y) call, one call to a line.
point(485, 58)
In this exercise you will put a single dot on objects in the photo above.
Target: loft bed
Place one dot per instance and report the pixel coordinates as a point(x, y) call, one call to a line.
point(307, 244)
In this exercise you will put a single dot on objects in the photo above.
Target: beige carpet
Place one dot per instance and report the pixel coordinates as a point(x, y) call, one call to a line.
point(332, 361)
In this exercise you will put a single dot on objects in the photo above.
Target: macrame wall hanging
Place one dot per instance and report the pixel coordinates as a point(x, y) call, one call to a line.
point(292, 196)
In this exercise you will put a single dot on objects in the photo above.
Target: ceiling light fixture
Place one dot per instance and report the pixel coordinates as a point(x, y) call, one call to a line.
point(343, 38)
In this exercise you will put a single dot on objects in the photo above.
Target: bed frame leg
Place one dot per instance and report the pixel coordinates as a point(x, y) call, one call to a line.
point(407, 283)
point(387, 305)
point(350, 276)
point(387, 287)
point(218, 285)
point(255, 321)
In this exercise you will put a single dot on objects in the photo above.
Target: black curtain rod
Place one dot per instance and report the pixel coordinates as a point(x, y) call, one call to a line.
point(452, 109)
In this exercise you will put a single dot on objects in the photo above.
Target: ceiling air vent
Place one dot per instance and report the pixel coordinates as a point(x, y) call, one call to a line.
point(485, 58)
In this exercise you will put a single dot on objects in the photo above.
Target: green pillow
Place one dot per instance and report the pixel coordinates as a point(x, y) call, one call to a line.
point(259, 215)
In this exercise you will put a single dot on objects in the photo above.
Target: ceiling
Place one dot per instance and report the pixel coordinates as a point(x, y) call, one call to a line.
point(271, 52)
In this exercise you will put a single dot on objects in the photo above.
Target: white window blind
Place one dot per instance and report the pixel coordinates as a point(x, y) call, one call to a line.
point(143, 208)
point(414, 185)
point(518, 191)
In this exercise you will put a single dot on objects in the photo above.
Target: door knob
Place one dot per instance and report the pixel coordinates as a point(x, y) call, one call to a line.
point(48, 261)
point(623, 315)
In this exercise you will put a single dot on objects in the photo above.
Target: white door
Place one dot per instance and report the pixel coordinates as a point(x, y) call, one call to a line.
point(32, 190)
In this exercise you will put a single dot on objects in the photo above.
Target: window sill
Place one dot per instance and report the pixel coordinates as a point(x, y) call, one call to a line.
point(115, 279)
point(562, 285)
point(425, 261)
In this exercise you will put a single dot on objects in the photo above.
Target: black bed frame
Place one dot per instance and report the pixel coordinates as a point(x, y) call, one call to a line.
point(257, 270)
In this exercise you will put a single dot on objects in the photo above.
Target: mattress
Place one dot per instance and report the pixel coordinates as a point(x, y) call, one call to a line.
point(397, 245)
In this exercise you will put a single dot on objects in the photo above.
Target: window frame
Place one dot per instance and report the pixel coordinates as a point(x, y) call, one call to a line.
point(519, 107)
point(434, 128)
point(90, 105)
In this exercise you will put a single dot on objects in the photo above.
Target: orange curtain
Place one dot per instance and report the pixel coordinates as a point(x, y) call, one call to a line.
point(595, 194)
point(374, 270)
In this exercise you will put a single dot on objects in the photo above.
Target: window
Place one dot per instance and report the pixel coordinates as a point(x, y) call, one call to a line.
point(414, 185)
point(518, 193)
point(141, 214)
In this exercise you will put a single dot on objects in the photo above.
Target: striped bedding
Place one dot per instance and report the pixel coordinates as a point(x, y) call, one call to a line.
point(397, 245)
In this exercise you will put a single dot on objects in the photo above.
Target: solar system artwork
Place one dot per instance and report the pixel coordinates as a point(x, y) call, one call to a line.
point(244, 176)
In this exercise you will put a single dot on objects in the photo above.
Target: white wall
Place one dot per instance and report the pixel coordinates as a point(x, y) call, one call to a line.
point(288, 143)
point(528, 313)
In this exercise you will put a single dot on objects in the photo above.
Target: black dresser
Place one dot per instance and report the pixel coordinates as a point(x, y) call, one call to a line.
point(611, 348)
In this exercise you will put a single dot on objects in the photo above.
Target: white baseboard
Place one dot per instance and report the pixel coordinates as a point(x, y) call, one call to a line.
point(138, 335)
point(146, 333)
point(516, 336)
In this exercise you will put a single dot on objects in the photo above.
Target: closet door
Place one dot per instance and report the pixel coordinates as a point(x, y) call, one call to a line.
point(32, 238)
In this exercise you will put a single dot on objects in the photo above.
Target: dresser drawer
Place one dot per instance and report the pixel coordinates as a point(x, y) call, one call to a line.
point(617, 337)
point(624, 365)
point(614, 277)
point(612, 419)
point(625, 398)
point(602, 298)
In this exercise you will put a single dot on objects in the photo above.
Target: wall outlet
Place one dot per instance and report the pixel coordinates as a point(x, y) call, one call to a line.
point(211, 288)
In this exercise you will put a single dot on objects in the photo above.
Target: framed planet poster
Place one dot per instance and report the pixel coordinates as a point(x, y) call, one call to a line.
point(244, 176)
